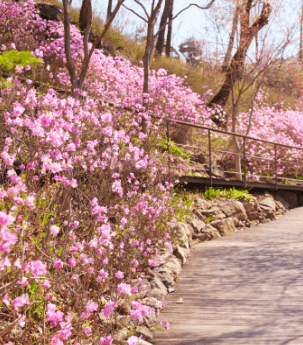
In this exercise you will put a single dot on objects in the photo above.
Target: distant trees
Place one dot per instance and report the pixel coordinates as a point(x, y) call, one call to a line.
point(86, 19)
point(150, 18)
point(248, 31)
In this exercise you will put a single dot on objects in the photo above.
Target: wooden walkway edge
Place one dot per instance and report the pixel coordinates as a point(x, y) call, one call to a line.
point(245, 288)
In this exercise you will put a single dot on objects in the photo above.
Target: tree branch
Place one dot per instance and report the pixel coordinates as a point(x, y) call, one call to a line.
point(129, 9)
point(144, 9)
point(201, 8)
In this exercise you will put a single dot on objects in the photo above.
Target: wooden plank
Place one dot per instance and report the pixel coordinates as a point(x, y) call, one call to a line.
point(245, 288)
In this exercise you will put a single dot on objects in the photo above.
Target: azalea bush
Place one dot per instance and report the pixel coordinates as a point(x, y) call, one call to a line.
point(84, 213)
point(86, 207)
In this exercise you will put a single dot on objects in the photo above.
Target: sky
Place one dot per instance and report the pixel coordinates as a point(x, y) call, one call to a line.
point(203, 25)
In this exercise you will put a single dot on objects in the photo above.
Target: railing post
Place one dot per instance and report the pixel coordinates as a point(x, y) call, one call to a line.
point(276, 172)
point(244, 162)
point(167, 135)
point(168, 147)
point(210, 167)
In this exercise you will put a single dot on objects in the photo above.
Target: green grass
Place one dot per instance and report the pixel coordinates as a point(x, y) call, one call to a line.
point(231, 193)
point(13, 58)
point(174, 149)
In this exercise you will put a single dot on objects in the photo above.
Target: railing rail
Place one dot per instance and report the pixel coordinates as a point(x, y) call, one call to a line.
point(245, 154)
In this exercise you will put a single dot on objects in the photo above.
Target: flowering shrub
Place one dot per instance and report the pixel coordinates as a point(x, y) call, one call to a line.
point(85, 198)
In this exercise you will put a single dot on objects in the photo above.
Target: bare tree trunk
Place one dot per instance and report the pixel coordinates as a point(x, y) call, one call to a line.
point(257, 46)
point(161, 34)
point(169, 31)
point(147, 55)
point(231, 40)
point(248, 32)
point(109, 9)
point(85, 14)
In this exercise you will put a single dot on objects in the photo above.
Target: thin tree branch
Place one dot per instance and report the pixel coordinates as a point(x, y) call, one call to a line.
point(129, 9)
point(144, 9)
point(201, 8)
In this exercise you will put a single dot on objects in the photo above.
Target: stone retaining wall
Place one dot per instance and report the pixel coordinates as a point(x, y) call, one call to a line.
point(209, 220)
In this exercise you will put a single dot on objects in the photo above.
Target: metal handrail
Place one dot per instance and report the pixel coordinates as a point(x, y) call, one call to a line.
point(226, 132)
point(245, 138)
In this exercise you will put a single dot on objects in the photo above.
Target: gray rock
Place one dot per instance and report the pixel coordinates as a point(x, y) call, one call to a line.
point(50, 12)
point(197, 224)
point(212, 231)
point(150, 320)
point(201, 237)
point(280, 206)
point(233, 208)
point(166, 278)
point(254, 223)
point(251, 206)
point(202, 204)
point(140, 294)
point(173, 266)
point(152, 302)
point(224, 226)
point(199, 215)
point(181, 253)
point(236, 222)
point(124, 306)
point(182, 229)
point(143, 342)
point(218, 216)
point(122, 334)
point(156, 283)
point(253, 215)
point(145, 333)
point(211, 211)
point(268, 202)
point(199, 158)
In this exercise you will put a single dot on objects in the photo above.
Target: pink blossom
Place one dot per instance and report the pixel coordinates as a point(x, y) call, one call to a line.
point(167, 325)
point(54, 230)
point(38, 268)
point(6, 219)
point(30, 201)
point(91, 306)
point(133, 340)
point(119, 275)
point(107, 340)
point(23, 282)
point(46, 284)
point(19, 302)
point(125, 289)
point(22, 321)
point(6, 299)
point(72, 261)
point(87, 330)
point(58, 264)
point(153, 263)
point(108, 310)
point(56, 341)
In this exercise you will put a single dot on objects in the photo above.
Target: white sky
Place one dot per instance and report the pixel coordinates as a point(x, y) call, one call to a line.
point(194, 23)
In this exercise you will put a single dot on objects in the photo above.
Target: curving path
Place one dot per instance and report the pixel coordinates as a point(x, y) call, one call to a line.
point(245, 288)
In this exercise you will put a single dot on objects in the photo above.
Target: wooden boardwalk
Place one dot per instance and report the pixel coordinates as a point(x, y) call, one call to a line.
point(245, 288)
